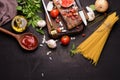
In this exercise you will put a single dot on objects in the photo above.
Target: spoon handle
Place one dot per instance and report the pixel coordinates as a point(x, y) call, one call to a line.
point(8, 32)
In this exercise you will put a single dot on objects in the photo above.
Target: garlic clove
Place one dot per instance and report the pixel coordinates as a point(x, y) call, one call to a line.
point(91, 16)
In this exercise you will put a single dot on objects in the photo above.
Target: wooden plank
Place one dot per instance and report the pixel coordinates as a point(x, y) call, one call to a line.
point(72, 26)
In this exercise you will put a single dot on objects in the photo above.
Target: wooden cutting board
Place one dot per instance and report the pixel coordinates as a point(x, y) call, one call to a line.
point(66, 31)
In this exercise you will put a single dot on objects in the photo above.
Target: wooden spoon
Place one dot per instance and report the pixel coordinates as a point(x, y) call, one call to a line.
point(21, 37)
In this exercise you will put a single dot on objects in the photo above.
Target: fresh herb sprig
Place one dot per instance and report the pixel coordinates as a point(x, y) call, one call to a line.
point(72, 50)
point(30, 9)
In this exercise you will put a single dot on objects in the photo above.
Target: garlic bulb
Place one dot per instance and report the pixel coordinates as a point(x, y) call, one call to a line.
point(50, 5)
point(91, 14)
point(41, 23)
point(51, 43)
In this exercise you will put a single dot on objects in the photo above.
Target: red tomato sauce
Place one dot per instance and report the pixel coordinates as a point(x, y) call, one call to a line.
point(29, 41)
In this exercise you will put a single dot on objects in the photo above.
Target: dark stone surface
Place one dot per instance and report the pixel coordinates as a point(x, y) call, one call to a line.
point(17, 64)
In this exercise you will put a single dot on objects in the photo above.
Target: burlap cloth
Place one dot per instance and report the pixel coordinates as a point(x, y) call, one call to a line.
point(7, 10)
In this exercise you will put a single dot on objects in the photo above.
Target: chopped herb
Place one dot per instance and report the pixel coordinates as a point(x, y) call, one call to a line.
point(40, 31)
point(71, 51)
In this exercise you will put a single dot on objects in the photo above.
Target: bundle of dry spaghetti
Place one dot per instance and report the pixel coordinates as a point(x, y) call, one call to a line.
point(92, 47)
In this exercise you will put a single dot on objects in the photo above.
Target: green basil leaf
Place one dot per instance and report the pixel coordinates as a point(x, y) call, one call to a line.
point(19, 8)
point(40, 31)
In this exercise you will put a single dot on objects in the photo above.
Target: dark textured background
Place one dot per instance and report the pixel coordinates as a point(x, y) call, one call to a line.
point(17, 64)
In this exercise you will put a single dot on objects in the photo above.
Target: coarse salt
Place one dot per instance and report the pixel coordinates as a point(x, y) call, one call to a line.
point(49, 52)
point(64, 30)
point(73, 38)
point(43, 39)
point(50, 58)
point(60, 24)
point(41, 45)
point(42, 74)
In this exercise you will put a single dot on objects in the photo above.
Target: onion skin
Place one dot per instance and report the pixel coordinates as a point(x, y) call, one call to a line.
point(101, 5)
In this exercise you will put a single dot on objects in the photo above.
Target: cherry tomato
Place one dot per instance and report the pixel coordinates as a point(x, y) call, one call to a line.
point(65, 40)
point(54, 13)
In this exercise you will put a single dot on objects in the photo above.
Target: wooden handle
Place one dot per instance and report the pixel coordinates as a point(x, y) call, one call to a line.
point(8, 32)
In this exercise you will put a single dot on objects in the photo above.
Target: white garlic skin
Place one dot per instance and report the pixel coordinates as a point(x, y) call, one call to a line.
point(50, 6)
point(41, 23)
point(91, 14)
point(51, 43)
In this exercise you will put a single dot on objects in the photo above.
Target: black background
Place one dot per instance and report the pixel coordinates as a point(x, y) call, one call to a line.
point(17, 64)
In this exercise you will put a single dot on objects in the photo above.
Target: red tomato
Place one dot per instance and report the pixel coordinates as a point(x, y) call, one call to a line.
point(54, 13)
point(65, 40)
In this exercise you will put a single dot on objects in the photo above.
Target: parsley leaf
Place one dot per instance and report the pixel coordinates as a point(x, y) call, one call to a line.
point(30, 9)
